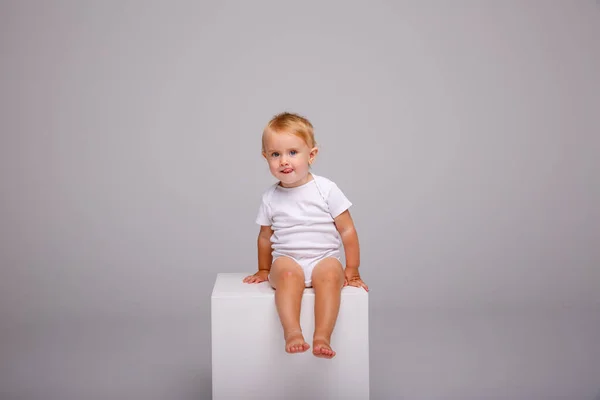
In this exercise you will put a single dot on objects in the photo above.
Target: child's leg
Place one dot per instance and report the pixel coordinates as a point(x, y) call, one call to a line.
point(287, 278)
point(327, 281)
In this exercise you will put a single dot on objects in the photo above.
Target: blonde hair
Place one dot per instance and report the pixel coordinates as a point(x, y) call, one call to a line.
point(295, 124)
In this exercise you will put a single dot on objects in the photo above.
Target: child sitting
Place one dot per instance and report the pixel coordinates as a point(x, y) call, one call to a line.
point(303, 220)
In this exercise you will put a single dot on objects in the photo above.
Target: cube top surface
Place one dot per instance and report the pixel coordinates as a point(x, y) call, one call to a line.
point(232, 285)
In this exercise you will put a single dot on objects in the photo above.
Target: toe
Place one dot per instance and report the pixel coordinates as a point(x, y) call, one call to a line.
point(323, 350)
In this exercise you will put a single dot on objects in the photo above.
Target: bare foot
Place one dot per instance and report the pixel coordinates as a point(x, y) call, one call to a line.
point(322, 349)
point(295, 343)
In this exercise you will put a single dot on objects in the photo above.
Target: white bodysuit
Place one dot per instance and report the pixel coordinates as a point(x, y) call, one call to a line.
point(302, 221)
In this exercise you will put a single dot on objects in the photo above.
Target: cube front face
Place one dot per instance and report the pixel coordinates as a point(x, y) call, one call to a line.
point(249, 360)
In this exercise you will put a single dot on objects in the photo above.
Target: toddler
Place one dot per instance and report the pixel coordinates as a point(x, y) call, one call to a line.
point(303, 220)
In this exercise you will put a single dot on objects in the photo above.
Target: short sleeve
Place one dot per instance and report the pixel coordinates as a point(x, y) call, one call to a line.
point(264, 213)
point(337, 201)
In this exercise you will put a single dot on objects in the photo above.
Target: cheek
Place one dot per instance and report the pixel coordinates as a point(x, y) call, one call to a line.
point(302, 162)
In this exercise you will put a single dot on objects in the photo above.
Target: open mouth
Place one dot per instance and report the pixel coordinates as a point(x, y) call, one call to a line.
point(287, 170)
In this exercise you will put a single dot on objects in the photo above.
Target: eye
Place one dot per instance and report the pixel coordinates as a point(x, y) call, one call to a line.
point(275, 154)
point(293, 153)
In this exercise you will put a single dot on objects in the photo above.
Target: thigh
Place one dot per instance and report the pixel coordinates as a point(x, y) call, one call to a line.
point(285, 268)
point(328, 270)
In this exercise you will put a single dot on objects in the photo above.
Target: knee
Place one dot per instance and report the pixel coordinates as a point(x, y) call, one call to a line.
point(334, 276)
point(291, 277)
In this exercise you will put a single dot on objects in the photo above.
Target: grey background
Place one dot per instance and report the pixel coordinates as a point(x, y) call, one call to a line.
point(465, 133)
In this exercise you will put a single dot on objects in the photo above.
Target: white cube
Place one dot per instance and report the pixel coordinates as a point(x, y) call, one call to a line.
point(248, 350)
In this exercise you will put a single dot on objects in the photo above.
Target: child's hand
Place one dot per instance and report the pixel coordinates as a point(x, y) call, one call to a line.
point(352, 278)
point(258, 277)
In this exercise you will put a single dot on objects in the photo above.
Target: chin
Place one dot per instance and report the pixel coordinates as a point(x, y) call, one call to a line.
point(289, 180)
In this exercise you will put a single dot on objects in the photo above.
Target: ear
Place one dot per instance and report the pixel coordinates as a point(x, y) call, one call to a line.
point(312, 155)
point(264, 155)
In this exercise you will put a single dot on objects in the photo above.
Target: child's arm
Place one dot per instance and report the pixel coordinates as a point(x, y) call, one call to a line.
point(264, 256)
point(264, 248)
point(345, 226)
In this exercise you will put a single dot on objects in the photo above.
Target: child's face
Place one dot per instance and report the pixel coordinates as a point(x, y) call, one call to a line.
point(289, 158)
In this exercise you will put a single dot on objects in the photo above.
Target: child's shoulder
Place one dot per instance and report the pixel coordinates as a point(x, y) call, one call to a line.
point(267, 192)
point(321, 179)
point(323, 182)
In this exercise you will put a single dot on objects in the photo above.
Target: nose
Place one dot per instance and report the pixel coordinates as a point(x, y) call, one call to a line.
point(283, 161)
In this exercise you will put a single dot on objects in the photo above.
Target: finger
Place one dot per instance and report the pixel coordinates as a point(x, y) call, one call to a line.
point(362, 284)
point(359, 284)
